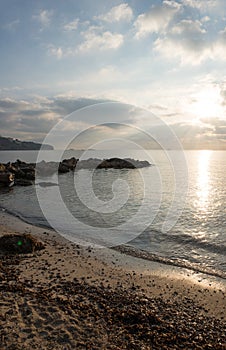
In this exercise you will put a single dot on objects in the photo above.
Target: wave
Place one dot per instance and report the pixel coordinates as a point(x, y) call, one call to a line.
point(28, 220)
point(185, 239)
point(143, 254)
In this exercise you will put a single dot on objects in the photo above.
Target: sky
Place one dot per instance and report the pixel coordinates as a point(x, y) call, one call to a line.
point(166, 56)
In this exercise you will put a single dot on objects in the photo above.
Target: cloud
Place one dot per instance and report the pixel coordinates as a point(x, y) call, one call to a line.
point(189, 42)
point(203, 136)
point(9, 104)
point(39, 124)
point(188, 27)
point(97, 40)
point(36, 117)
point(122, 12)
point(64, 105)
point(157, 19)
point(33, 119)
point(218, 127)
point(19, 117)
point(187, 51)
point(71, 25)
point(205, 19)
point(43, 17)
point(12, 25)
point(223, 94)
point(55, 51)
point(220, 130)
point(214, 122)
point(192, 40)
point(220, 45)
point(203, 5)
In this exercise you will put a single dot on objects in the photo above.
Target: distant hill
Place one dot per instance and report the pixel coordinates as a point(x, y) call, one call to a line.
point(10, 144)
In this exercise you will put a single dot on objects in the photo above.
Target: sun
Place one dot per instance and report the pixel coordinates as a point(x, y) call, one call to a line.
point(207, 104)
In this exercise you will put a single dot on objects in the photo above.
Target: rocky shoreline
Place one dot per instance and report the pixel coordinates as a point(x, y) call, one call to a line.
point(23, 174)
point(65, 296)
point(76, 315)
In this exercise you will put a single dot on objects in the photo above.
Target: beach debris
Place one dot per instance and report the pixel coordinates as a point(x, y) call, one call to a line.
point(19, 244)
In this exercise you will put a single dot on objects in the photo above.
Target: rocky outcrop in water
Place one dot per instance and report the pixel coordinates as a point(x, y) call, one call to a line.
point(23, 174)
point(112, 163)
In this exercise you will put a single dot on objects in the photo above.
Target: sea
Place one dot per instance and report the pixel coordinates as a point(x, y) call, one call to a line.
point(173, 211)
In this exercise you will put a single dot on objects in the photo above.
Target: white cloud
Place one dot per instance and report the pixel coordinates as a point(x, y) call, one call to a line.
point(189, 42)
point(201, 4)
point(71, 25)
point(157, 19)
point(214, 8)
point(188, 51)
point(205, 19)
point(96, 40)
point(122, 12)
point(43, 17)
point(220, 46)
point(55, 51)
point(190, 27)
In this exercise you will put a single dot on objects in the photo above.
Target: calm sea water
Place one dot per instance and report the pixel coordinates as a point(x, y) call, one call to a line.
point(147, 209)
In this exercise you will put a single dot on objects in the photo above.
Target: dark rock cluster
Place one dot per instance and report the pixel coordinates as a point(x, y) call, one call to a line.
point(19, 244)
point(19, 173)
point(112, 163)
point(23, 174)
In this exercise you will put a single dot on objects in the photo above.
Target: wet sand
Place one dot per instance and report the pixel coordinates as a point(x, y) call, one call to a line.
point(72, 297)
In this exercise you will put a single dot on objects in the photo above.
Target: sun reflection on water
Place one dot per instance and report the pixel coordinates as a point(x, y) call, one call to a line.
point(203, 180)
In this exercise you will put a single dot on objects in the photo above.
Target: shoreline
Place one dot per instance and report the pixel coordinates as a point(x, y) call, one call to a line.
point(65, 270)
point(136, 252)
point(135, 259)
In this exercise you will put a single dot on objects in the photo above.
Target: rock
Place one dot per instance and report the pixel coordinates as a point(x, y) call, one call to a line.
point(112, 163)
point(70, 163)
point(116, 163)
point(30, 176)
point(67, 164)
point(23, 182)
point(2, 168)
point(24, 173)
point(12, 168)
point(19, 244)
point(90, 163)
point(6, 179)
point(63, 168)
point(22, 170)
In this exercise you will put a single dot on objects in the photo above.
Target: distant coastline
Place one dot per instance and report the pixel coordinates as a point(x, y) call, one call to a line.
point(11, 144)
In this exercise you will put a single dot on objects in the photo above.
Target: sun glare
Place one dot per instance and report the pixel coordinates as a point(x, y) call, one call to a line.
point(203, 180)
point(207, 104)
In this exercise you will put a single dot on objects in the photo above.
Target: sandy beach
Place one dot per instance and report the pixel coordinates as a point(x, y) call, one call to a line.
point(71, 297)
